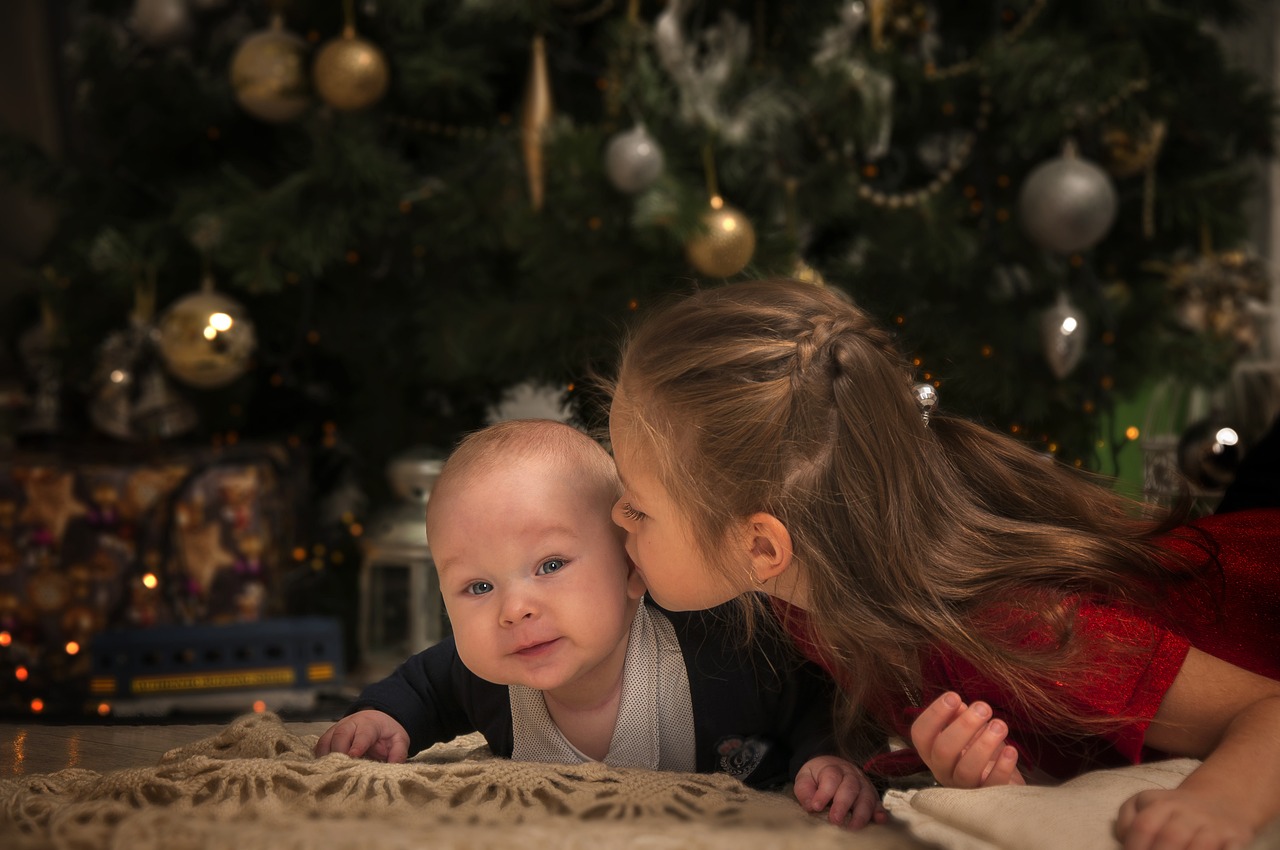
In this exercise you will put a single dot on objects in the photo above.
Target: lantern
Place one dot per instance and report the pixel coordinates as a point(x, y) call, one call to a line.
point(401, 610)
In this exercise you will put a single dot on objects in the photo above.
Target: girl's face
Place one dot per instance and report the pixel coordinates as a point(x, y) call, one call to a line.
point(660, 538)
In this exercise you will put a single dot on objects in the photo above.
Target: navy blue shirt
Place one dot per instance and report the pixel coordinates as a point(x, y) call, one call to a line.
point(759, 711)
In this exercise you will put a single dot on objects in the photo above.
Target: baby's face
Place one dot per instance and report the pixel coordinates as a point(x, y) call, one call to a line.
point(535, 579)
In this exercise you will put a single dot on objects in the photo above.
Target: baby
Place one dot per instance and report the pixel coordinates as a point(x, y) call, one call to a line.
point(556, 656)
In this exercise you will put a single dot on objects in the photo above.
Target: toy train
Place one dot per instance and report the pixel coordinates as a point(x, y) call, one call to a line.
point(274, 664)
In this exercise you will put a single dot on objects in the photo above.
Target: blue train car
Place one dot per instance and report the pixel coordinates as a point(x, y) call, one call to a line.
point(269, 664)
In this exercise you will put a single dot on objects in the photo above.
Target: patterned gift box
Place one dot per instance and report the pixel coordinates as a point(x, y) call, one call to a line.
point(103, 541)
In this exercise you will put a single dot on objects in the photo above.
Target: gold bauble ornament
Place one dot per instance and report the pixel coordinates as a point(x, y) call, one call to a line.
point(350, 72)
point(726, 244)
point(269, 74)
point(206, 340)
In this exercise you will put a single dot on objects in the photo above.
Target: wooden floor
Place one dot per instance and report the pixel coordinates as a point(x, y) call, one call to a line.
point(27, 749)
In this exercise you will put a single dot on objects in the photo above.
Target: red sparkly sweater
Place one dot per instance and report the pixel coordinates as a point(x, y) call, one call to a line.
point(1244, 629)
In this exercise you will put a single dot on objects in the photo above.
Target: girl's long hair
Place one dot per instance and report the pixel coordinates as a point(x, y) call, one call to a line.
point(782, 396)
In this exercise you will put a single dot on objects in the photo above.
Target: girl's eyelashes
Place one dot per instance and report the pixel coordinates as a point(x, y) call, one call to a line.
point(631, 513)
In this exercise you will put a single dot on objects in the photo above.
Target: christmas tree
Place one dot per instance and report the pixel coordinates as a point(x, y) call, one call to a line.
point(405, 207)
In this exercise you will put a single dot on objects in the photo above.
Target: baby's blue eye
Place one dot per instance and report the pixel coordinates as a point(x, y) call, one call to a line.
point(551, 566)
point(479, 588)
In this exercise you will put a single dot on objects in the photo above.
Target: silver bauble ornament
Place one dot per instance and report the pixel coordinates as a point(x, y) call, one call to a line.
point(1067, 204)
point(115, 380)
point(1062, 331)
point(160, 413)
point(726, 244)
point(1209, 453)
point(132, 399)
point(206, 339)
point(160, 23)
point(633, 160)
point(269, 74)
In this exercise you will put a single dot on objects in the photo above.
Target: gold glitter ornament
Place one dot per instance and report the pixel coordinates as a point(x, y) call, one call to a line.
point(726, 244)
point(350, 72)
point(269, 74)
point(206, 340)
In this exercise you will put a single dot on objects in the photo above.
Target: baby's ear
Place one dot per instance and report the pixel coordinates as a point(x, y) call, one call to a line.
point(635, 582)
point(768, 546)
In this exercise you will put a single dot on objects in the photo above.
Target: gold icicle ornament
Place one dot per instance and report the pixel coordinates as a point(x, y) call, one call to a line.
point(879, 14)
point(535, 119)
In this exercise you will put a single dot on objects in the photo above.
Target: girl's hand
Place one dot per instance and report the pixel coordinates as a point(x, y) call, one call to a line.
point(831, 780)
point(1175, 819)
point(964, 746)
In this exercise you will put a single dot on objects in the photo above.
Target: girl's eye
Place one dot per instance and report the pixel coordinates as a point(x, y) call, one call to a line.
point(479, 588)
point(631, 513)
point(550, 566)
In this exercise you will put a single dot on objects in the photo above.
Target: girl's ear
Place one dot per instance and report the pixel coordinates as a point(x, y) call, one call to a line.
point(768, 546)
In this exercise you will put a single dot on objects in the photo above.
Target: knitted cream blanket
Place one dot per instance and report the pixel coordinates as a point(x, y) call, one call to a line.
point(256, 784)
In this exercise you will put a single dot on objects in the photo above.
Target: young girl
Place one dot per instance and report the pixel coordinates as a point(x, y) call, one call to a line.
point(1003, 610)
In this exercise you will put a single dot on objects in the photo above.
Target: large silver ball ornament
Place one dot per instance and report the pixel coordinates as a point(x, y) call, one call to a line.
point(633, 160)
point(1067, 204)
point(206, 340)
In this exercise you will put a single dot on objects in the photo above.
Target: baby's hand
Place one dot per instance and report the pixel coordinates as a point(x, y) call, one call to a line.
point(964, 746)
point(831, 780)
point(1175, 819)
point(372, 734)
